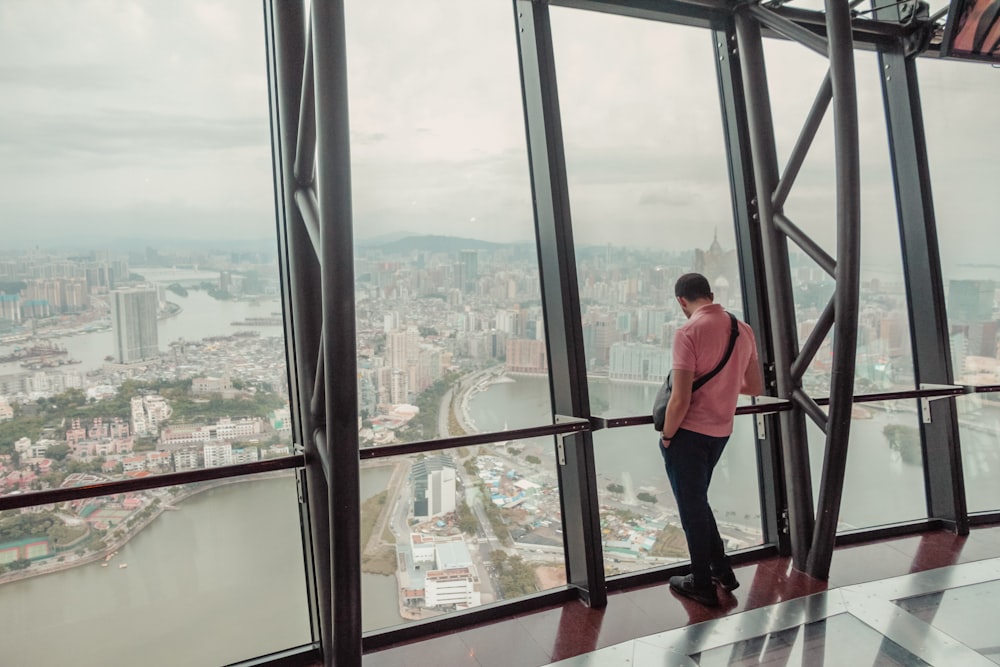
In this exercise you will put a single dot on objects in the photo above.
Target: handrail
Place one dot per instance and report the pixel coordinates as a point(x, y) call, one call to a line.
point(47, 497)
point(762, 405)
point(769, 404)
point(565, 425)
point(982, 388)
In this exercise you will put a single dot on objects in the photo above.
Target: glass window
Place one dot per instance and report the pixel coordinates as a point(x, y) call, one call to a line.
point(649, 191)
point(979, 429)
point(141, 333)
point(446, 267)
point(884, 360)
point(456, 529)
point(881, 433)
point(884, 481)
point(964, 161)
point(140, 314)
point(191, 575)
point(640, 526)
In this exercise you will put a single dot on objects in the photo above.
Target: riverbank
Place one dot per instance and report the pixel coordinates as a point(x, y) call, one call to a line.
point(41, 567)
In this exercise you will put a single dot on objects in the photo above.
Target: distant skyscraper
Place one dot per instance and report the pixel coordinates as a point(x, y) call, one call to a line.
point(722, 270)
point(970, 301)
point(133, 323)
point(470, 265)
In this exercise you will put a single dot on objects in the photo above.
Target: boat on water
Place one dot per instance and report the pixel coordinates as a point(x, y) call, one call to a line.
point(123, 566)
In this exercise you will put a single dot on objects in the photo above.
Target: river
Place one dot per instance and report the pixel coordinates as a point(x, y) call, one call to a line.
point(200, 316)
point(219, 580)
point(880, 487)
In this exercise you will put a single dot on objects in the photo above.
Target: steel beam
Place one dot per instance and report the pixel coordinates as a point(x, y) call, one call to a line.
point(813, 342)
point(305, 140)
point(560, 299)
point(795, 452)
point(845, 328)
point(790, 29)
point(802, 144)
point(811, 408)
point(333, 193)
point(805, 243)
point(305, 199)
point(944, 478)
point(300, 269)
point(750, 253)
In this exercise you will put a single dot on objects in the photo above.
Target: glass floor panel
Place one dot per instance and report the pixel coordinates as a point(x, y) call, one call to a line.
point(838, 640)
point(941, 617)
point(968, 614)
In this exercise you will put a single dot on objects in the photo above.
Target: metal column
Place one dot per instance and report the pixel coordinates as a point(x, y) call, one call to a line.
point(752, 271)
point(795, 451)
point(845, 329)
point(812, 543)
point(560, 301)
point(303, 322)
point(310, 111)
point(333, 194)
point(943, 474)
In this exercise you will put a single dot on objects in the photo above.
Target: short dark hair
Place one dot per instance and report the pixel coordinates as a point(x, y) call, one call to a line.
point(693, 286)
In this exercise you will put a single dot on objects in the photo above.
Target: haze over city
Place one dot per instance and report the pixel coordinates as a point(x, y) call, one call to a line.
point(126, 114)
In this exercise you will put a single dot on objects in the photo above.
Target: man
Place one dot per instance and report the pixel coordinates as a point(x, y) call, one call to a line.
point(697, 425)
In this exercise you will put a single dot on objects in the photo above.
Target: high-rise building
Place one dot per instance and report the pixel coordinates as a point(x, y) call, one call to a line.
point(133, 324)
point(470, 269)
point(433, 486)
point(970, 301)
point(10, 307)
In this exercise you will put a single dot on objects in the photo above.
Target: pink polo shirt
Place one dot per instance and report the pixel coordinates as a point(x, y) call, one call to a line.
point(699, 346)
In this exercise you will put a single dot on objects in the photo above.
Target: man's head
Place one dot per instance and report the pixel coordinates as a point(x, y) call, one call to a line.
point(693, 291)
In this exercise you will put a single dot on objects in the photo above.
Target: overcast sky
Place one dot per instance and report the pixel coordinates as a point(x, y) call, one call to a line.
point(149, 119)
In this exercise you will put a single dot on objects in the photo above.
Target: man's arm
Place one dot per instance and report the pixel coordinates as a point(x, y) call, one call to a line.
point(677, 406)
point(753, 381)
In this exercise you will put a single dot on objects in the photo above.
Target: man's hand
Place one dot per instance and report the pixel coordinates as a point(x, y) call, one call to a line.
point(677, 406)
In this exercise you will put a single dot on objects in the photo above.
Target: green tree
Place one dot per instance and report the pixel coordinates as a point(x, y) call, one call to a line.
point(467, 522)
point(57, 452)
point(19, 564)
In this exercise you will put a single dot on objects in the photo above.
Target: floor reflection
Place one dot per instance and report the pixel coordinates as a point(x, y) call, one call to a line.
point(966, 613)
point(941, 617)
point(839, 640)
point(921, 599)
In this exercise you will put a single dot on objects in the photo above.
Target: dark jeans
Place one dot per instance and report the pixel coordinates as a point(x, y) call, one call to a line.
point(690, 460)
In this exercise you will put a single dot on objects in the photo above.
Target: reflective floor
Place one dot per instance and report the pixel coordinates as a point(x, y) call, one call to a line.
point(929, 599)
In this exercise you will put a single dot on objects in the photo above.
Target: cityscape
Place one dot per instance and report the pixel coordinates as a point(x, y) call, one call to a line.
point(444, 324)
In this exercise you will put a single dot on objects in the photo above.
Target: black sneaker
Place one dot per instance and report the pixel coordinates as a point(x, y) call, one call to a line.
point(727, 580)
point(685, 586)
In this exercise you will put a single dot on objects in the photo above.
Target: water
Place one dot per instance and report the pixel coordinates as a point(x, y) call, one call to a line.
point(218, 581)
point(379, 593)
point(624, 454)
point(201, 316)
point(880, 488)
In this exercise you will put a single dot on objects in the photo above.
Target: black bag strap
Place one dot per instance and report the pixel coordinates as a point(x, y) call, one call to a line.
point(733, 333)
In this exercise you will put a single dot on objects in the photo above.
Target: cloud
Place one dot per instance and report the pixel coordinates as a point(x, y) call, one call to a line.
point(116, 136)
point(120, 111)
